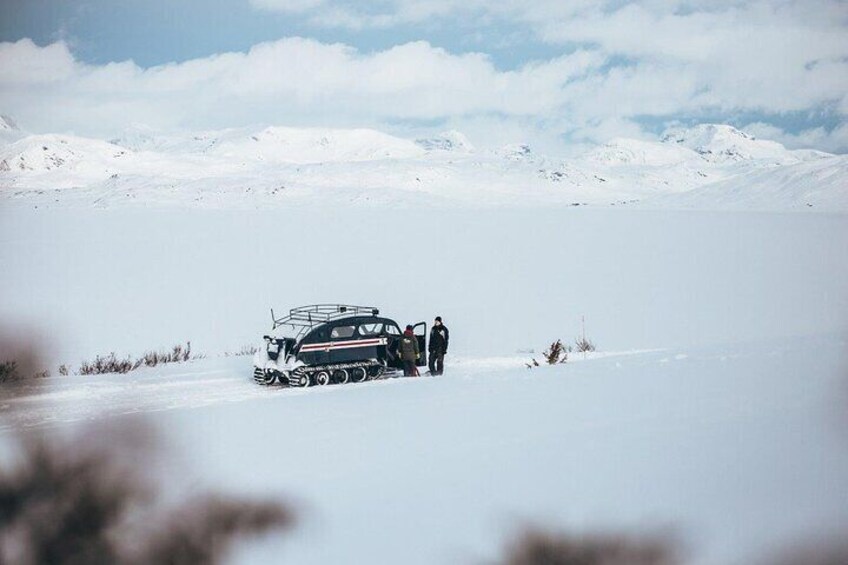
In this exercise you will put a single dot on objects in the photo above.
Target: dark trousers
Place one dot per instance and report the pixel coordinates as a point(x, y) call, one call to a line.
point(409, 369)
point(437, 363)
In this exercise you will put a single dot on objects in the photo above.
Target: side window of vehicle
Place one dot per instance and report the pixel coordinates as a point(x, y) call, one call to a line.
point(370, 329)
point(391, 329)
point(341, 332)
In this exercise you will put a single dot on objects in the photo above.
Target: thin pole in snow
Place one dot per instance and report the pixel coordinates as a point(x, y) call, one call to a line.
point(583, 325)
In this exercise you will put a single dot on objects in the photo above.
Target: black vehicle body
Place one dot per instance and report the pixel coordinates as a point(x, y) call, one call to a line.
point(332, 343)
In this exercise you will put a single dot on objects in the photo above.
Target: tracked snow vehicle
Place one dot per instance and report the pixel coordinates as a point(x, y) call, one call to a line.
point(326, 344)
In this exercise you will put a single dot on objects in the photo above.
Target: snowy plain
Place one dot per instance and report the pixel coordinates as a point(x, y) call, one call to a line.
point(728, 431)
point(132, 279)
point(739, 449)
point(717, 408)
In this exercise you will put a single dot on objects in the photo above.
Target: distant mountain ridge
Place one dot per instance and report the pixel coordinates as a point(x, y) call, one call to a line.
point(446, 141)
point(723, 143)
point(709, 162)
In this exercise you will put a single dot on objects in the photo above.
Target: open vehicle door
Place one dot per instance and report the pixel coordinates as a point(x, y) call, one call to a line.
point(420, 331)
point(392, 356)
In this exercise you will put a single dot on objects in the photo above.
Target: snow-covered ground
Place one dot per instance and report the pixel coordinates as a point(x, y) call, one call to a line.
point(738, 447)
point(126, 280)
point(717, 405)
point(197, 383)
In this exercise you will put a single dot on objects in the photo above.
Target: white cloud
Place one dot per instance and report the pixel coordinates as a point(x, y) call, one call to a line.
point(649, 60)
point(287, 81)
point(602, 131)
point(834, 140)
point(768, 55)
point(675, 58)
point(358, 15)
point(24, 63)
point(292, 6)
point(774, 56)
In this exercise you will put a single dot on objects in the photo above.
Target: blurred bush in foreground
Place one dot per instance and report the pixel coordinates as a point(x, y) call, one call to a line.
point(95, 497)
point(535, 546)
point(93, 500)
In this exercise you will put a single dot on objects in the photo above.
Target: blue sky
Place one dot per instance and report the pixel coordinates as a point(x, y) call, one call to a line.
point(154, 32)
point(551, 73)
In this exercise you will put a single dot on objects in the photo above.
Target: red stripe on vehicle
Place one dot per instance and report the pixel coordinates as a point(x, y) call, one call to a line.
point(343, 344)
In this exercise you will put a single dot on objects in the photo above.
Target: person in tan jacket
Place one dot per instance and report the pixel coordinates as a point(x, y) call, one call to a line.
point(409, 353)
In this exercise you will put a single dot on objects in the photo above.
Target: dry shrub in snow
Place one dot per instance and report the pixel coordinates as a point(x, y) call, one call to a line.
point(582, 345)
point(177, 354)
point(555, 353)
point(540, 547)
point(112, 364)
point(109, 364)
point(245, 350)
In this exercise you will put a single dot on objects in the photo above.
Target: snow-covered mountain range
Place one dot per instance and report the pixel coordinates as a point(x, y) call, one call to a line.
point(707, 166)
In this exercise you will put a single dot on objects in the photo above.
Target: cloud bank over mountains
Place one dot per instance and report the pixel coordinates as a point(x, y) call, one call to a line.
point(623, 68)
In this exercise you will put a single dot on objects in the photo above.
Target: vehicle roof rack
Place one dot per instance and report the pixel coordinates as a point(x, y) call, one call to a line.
point(304, 318)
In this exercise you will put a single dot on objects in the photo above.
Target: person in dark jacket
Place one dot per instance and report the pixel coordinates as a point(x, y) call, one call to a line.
point(409, 353)
point(439, 337)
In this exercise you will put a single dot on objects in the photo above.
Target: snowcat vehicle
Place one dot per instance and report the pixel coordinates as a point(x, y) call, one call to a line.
point(326, 344)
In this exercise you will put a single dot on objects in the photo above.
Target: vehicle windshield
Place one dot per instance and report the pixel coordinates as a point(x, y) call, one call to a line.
point(370, 329)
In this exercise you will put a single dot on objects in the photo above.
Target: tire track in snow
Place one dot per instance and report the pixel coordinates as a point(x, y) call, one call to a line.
point(59, 401)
